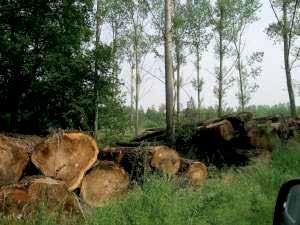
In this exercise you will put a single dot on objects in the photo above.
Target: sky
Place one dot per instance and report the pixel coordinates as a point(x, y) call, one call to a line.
point(272, 81)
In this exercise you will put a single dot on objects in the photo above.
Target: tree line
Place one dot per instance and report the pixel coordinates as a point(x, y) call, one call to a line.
point(57, 71)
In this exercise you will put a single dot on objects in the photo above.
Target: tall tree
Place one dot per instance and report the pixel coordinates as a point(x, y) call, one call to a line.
point(168, 35)
point(199, 36)
point(179, 34)
point(138, 46)
point(286, 13)
point(116, 16)
point(221, 18)
point(245, 14)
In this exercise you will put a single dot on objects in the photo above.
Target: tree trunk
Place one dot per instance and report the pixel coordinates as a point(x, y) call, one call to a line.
point(96, 92)
point(198, 77)
point(241, 85)
point(289, 81)
point(178, 83)
point(114, 50)
point(169, 71)
point(132, 96)
point(66, 156)
point(221, 55)
point(137, 81)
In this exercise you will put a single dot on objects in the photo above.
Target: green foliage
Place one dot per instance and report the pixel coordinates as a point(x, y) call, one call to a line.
point(153, 118)
point(47, 77)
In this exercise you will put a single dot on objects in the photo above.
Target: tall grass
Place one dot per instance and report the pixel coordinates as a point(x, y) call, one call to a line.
point(236, 196)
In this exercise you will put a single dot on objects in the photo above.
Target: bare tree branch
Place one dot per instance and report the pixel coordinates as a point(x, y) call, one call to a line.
point(295, 59)
point(274, 11)
point(151, 74)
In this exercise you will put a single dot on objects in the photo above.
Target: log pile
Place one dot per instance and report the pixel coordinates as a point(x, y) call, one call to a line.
point(230, 140)
point(66, 170)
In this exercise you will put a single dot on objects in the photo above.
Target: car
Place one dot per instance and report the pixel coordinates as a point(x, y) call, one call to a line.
point(287, 209)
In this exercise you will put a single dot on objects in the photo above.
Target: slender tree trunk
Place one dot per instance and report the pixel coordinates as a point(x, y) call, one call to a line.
point(96, 91)
point(169, 71)
point(178, 83)
point(132, 95)
point(198, 77)
point(241, 84)
point(114, 49)
point(220, 78)
point(285, 31)
point(137, 81)
point(137, 90)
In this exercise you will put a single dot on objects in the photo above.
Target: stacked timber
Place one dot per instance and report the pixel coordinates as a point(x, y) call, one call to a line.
point(66, 170)
point(230, 140)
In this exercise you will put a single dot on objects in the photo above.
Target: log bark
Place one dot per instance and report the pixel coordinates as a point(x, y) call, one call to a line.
point(13, 160)
point(28, 195)
point(148, 134)
point(66, 157)
point(224, 128)
point(105, 182)
point(136, 160)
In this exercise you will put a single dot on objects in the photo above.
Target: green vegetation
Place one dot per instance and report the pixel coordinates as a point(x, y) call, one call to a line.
point(241, 196)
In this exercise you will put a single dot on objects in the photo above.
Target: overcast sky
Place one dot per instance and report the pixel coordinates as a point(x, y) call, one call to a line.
point(272, 81)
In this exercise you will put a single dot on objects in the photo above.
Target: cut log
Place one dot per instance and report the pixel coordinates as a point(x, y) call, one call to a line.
point(27, 196)
point(224, 128)
point(260, 139)
point(196, 172)
point(28, 142)
point(245, 116)
point(105, 182)
point(13, 160)
point(165, 159)
point(136, 160)
point(155, 132)
point(66, 157)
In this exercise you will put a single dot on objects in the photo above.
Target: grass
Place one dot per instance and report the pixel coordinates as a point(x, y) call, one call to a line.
point(244, 196)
